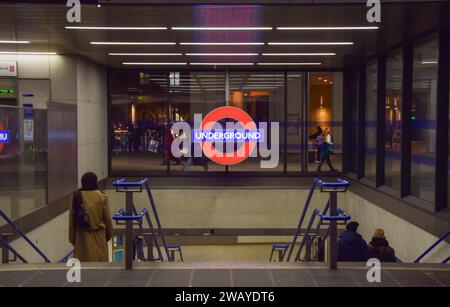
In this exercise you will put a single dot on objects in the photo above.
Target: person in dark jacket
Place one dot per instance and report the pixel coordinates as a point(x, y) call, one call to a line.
point(379, 247)
point(352, 246)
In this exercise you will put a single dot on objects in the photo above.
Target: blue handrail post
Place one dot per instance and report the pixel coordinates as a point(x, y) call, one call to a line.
point(332, 248)
point(335, 216)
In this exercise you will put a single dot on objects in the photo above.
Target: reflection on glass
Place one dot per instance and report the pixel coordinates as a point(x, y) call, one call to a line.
point(23, 160)
point(423, 120)
point(294, 122)
point(261, 96)
point(393, 123)
point(194, 93)
point(448, 160)
point(354, 109)
point(325, 114)
point(371, 121)
point(138, 122)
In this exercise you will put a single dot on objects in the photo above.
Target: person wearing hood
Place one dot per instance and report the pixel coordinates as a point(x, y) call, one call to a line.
point(379, 247)
point(90, 223)
point(352, 246)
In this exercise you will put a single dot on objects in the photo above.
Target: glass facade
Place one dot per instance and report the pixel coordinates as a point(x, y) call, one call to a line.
point(295, 119)
point(371, 121)
point(261, 95)
point(354, 133)
point(145, 104)
point(325, 113)
point(448, 159)
point(393, 120)
point(23, 157)
point(423, 120)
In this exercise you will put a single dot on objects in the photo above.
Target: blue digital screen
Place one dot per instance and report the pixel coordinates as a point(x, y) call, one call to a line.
point(4, 136)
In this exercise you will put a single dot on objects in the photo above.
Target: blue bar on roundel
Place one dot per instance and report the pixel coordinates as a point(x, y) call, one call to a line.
point(4, 136)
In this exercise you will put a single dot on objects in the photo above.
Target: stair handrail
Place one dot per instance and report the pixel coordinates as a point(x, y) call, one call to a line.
point(300, 223)
point(66, 257)
point(433, 246)
point(23, 235)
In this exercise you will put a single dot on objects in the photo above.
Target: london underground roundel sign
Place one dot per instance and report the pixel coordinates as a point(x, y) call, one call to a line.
point(242, 152)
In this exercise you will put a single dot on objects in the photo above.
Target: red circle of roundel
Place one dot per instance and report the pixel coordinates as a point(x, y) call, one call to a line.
point(1, 144)
point(244, 151)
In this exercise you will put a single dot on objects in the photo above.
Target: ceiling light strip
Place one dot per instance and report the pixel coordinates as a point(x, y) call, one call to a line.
point(27, 53)
point(222, 54)
point(113, 28)
point(294, 64)
point(134, 43)
point(222, 44)
point(327, 28)
point(222, 64)
point(222, 28)
point(144, 54)
point(13, 42)
point(309, 43)
point(300, 54)
point(146, 63)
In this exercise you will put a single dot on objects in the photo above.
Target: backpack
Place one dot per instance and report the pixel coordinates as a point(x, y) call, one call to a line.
point(80, 216)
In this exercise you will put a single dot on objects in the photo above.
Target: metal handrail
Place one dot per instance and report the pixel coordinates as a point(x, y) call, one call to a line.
point(340, 185)
point(426, 252)
point(122, 183)
point(119, 216)
point(341, 216)
point(302, 218)
point(66, 257)
point(23, 235)
point(6, 245)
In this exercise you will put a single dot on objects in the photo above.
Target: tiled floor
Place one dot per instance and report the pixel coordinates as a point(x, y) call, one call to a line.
point(237, 275)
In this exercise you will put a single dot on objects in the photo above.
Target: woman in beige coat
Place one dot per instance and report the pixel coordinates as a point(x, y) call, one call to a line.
point(90, 223)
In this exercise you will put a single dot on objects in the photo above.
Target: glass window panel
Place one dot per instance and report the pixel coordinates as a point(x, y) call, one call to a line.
point(393, 121)
point(325, 111)
point(138, 122)
point(261, 95)
point(195, 93)
point(371, 121)
point(423, 120)
point(294, 121)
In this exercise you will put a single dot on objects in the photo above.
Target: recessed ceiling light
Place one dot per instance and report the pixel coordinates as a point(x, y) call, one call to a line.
point(133, 43)
point(146, 63)
point(327, 28)
point(223, 28)
point(144, 54)
point(299, 54)
point(14, 42)
point(221, 54)
point(27, 53)
point(297, 64)
point(280, 75)
point(222, 44)
point(221, 64)
point(113, 28)
point(308, 43)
